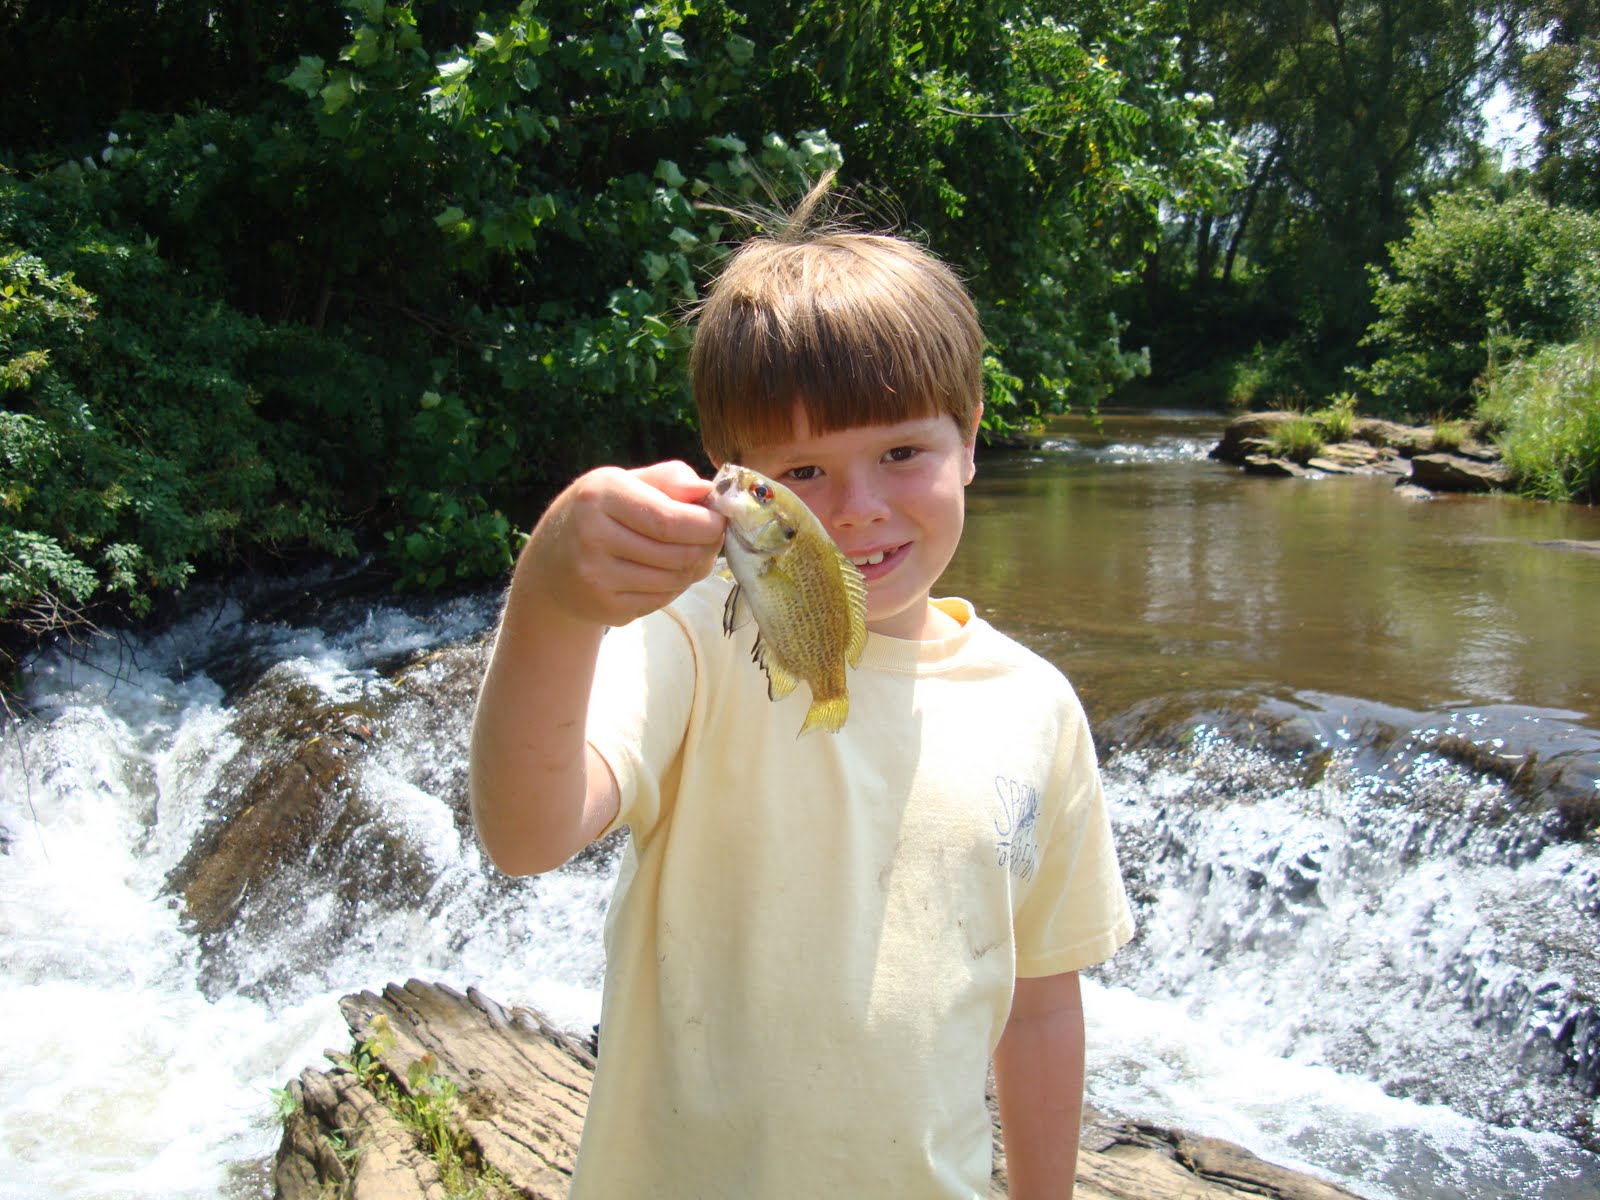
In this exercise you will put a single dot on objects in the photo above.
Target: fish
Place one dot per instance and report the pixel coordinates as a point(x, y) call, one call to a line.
point(808, 600)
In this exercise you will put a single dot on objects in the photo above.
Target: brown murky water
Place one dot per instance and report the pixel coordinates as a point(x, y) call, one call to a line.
point(1140, 567)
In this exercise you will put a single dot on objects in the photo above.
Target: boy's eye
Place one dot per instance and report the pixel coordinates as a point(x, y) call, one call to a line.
point(901, 454)
point(801, 474)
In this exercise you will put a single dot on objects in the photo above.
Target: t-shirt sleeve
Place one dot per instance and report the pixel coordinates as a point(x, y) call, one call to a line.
point(1075, 913)
point(639, 708)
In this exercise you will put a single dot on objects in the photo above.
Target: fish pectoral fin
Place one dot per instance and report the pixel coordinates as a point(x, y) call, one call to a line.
point(826, 714)
point(735, 611)
point(780, 680)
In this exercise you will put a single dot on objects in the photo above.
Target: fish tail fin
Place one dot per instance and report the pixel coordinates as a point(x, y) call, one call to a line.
point(828, 713)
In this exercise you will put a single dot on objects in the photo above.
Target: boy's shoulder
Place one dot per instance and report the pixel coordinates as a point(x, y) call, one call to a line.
point(1002, 646)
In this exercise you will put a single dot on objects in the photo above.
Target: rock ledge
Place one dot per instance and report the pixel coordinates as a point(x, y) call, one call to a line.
point(518, 1089)
point(1411, 453)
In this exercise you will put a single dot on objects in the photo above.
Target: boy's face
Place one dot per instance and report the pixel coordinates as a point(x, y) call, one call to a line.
point(893, 498)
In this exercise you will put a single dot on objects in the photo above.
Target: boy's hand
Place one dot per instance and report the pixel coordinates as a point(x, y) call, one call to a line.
point(618, 544)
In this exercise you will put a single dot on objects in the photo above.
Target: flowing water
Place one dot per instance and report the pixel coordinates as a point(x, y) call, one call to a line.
point(1376, 961)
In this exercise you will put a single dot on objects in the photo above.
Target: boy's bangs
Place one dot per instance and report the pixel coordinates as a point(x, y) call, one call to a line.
point(838, 385)
point(855, 329)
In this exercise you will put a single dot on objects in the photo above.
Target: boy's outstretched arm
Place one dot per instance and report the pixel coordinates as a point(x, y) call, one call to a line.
point(612, 547)
point(1038, 1072)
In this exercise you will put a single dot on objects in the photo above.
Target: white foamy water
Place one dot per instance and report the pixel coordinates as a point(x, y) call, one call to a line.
point(137, 1066)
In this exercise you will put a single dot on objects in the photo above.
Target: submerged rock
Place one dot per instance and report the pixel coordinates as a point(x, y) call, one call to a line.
point(512, 1091)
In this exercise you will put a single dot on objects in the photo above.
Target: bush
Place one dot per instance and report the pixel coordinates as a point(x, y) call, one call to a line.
point(1547, 413)
point(131, 444)
point(1474, 282)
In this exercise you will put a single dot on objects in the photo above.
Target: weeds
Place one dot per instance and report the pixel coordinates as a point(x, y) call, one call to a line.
point(428, 1107)
point(1338, 419)
point(1547, 411)
point(1451, 435)
point(1297, 439)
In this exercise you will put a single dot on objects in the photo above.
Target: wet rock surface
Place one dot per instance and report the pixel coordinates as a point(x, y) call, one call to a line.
point(517, 1089)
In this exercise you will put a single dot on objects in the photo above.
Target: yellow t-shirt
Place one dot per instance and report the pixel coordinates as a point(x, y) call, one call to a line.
point(813, 941)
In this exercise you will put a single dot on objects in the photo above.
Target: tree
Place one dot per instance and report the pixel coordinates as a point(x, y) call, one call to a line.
point(1345, 108)
point(1557, 73)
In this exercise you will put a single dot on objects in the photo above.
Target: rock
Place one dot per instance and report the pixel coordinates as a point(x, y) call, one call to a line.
point(1359, 458)
point(1378, 448)
point(1404, 439)
point(295, 779)
point(1457, 473)
point(1283, 468)
point(288, 812)
point(515, 1090)
point(1249, 434)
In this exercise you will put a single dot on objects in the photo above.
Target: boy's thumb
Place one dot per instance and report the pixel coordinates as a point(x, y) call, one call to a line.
point(676, 479)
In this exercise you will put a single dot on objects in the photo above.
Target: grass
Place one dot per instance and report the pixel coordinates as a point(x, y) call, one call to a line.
point(1547, 414)
point(1338, 419)
point(1451, 435)
point(1298, 439)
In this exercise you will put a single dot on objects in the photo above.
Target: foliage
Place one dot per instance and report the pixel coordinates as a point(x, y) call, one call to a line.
point(131, 443)
point(1557, 74)
point(1299, 438)
point(1262, 379)
point(384, 275)
point(1337, 419)
point(1342, 110)
point(1475, 282)
point(1547, 411)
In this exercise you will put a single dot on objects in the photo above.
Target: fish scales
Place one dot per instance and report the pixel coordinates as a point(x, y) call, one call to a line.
point(807, 599)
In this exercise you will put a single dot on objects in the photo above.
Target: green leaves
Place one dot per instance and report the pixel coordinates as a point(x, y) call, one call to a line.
point(1476, 282)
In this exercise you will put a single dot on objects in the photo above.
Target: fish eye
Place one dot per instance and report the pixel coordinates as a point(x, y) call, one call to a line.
point(761, 491)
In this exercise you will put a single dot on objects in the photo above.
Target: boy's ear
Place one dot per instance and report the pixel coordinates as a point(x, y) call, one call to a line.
point(970, 446)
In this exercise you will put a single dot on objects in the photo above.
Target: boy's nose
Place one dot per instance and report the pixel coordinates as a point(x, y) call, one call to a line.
point(858, 502)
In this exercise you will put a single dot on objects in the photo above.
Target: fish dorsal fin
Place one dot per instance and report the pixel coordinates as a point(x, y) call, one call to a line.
point(855, 591)
point(780, 682)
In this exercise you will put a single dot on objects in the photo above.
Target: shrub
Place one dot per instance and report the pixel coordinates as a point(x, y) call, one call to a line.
point(1476, 281)
point(131, 444)
point(1547, 412)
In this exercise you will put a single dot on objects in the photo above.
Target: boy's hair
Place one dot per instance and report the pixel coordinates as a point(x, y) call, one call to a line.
point(858, 328)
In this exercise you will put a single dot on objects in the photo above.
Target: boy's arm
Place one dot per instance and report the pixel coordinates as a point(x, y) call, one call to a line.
point(1038, 1071)
point(612, 547)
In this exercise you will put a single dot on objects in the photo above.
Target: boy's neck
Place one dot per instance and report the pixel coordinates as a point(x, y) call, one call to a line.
point(937, 624)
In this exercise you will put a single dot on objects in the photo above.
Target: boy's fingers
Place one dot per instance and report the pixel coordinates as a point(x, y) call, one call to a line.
point(664, 505)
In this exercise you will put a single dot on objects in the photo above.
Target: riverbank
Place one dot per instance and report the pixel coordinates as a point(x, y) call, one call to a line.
point(445, 1091)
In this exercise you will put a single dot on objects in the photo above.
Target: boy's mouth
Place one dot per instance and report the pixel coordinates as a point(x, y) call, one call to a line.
point(876, 563)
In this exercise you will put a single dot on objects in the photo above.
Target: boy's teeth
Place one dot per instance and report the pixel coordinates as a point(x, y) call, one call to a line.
point(871, 560)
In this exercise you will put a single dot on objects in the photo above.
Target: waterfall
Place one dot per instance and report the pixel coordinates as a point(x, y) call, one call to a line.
point(1367, 973)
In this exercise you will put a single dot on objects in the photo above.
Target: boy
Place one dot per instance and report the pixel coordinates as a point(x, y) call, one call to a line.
point(816, 944)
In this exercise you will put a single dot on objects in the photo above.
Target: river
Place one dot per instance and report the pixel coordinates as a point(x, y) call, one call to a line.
point(1381, 970)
